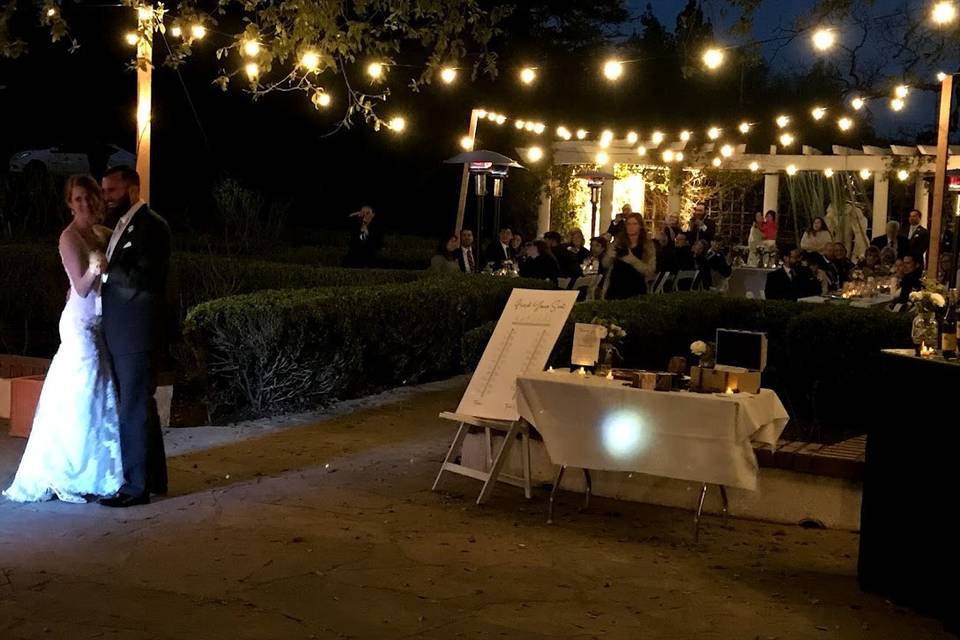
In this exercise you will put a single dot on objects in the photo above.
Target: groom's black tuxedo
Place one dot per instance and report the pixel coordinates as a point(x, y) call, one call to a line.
point(132, 296)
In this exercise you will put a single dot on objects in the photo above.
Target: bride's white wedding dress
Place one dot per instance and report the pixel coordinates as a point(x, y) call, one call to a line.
point(74, 446)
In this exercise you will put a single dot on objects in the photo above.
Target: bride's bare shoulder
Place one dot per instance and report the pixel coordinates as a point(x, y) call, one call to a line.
point(102, 233)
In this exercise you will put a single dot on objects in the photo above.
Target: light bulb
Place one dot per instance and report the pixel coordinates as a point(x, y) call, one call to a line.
point(845, 123)
point(310, 61)
point(713, 133)
point(253, 70)
point(818, 113)
point(865, 174)
point(685, 136)
point(717, 162)
point(492, 116)
point(713, 58)
point(641, 150)
point(726, 151)
point(791, 169)
point(657, 137)
point(903, 174)
point(943, 13)
point(448, 75)
point(901, 91)
point(632, 137)
point(528, 75)
point(321, 99)
point(824, 39)
point(501, 118)
point(132, 39)
point(481, 113)
point(667, 155)
point(251, 48)
point(397, 124)
point(51, 12)
point(857, 103)
point(786, 139)
point(744, 127)
point(783, 121)
point(375, 70)
point(143, 13)
point(828, 172)
point(539, 128)
point(897, 104)
point(678, 156)
point(754, 166)
point(176, 31)
point(519, 124)
point(941, 76)
point(602, 158)
point(198, 31)
point(581, 134)
point(529, 126)
point(466, 143)
point(534, 154)
point(613, 69)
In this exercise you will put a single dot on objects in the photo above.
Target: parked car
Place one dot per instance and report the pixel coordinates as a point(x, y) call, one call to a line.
point(61, 162)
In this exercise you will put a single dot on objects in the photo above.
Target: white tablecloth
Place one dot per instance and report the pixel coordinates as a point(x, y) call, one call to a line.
point(744, 280)
point(862, 303)
point(595, 423)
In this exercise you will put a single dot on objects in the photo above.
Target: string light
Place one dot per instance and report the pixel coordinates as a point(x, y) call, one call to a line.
point(529, 126)
point(857, 103)
point(865, 174)
point(198, 31)
point(481, 113)
point(903, 174)
point(143, 13)
point(901, 91)
point(713, 133)
point(501, 118)
point(897, 104)
point(744, 128)
point(466, 143)
point(251, 48)
point(685, 135)
point(448, 75)
point(528, 75)
point(563, 132)
point(310, 61)
point(375, 70)
point(941, 76)
point(613, 69)
point(581, 134)
point(602, 158)
point(397, 124)
point(519, 124)
point(791, 169)
point(657, 137)
point(678, 156)
point(828, 172)
point(492, 116)
point(606, 138)
point(253, 70)
point(783, 121)
point(754, 166)
point(641, 150)
point(176, 31)
point(132, 39)
point(713, 58)
point(534, 154)
point(321, 99)
point(786, 139)
point(824, 39)
point(717, 162)
point(51, 12)
point(726, 151)
point(845, 123)
point(943, 13)
point(632, 137)
point(667, 155)
point(539, 128)
point(818, 113)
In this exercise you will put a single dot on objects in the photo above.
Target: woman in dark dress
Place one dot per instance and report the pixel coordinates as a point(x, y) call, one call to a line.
point(631, 260)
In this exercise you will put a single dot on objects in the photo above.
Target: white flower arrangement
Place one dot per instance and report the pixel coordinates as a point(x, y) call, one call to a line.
point(612, 332)
point(698, 348)
point(928, 300)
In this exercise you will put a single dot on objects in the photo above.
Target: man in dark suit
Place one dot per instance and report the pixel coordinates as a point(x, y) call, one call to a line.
point(912, 278)
point(365, 242)
point(683, 254)
point(132, 294)
point(570, 266)
point(499, 250)
point(787, 282)
point(917, 237)
point(892, 239)
point(466, 256)
point(701, 227)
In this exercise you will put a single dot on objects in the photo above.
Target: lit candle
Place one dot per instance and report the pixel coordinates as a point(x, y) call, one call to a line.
point(729, 390)
point(610, 375)
point(581, 371)
point(549, 369)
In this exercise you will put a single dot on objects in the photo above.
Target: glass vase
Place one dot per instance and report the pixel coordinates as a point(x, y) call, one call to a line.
point(925, 330)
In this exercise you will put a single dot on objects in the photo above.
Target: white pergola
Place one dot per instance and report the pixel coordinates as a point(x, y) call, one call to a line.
point(880, 161)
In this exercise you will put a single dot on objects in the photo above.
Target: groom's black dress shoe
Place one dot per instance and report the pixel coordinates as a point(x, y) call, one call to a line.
point(121, 500)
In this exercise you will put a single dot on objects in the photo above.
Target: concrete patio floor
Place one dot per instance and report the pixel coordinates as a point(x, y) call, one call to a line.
point(326, 527)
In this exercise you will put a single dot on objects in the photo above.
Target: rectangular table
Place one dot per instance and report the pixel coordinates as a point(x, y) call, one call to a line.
point(594, 423)
point(748, 282)
point(861, 303)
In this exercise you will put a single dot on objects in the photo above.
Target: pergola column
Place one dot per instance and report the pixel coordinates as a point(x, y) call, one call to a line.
point(543, 212)
point(771, 192)
point(605, 214)
point(674, 196)
point(921, 199)
point(881, 198)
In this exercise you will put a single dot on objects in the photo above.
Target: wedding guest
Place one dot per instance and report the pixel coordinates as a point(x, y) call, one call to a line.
point(447, 258)
point(769, 226)
point(817, 236)
point(711, 264)
point(467, 258)
point(701, 227)
point(787, 282)
point(630, 260)
point(363, 249)
point(888, 260)
point(893, 241)
point(540, 263)
point(617, 223)
point(870, 265)
point(517, 244)
point(683, 254)
point(666, 242)
point(819, 282)
point(598, 246)
point(568, 263)
point(918, 238)
point(912, 278)
point(578, 245)
point(499, 250)
point(841, 264)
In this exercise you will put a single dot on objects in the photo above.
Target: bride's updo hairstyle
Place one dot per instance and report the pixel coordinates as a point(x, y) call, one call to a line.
point(88, 184)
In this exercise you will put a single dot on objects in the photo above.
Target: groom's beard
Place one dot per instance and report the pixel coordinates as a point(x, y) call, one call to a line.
point(115, 212)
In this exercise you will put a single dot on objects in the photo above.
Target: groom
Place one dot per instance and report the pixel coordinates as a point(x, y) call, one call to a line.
point(133, 290)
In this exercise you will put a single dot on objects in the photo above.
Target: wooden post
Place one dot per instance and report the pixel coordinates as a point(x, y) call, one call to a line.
point(465, 178)
point(145, 26)
point(939, 178)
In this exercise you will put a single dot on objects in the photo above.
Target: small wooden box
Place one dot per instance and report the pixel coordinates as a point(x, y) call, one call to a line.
point(721, 380)
point(24, 396)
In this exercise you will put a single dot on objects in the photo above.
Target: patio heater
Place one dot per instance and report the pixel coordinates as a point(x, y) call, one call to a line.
point(595, 180)
point(480, 164)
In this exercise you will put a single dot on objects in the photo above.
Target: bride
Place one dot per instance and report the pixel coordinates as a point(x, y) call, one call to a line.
point(74, 446)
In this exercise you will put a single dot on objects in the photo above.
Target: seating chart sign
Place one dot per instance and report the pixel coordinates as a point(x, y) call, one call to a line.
point(521, 344)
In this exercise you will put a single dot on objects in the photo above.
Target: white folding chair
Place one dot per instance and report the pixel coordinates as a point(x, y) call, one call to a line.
point(687, 281)
point(663, 279)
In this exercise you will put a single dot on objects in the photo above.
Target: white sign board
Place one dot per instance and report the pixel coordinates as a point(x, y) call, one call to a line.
point(586, 344)
point(521, 343)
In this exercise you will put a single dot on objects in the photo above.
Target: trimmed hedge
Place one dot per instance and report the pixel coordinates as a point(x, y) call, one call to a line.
point(33, 287)
point(277, 351)
point(821, 358)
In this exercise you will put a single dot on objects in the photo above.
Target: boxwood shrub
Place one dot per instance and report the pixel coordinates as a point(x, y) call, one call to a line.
point(821, 358)
point(276, 351)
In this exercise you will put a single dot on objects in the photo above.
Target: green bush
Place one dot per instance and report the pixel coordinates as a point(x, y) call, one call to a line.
point(277, 351)
point(821, 358)
point(399, 252)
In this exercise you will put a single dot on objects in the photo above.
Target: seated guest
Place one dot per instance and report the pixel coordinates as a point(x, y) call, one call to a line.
point(567, 261)
point(709, 262)
point(912, 278)
point(769, 226)
point(499, 250)
point(518, 247)
point(817, 237)
point(683, 254)
point(578, 245)
point(446, 260)
point(893, 241)
point(467, 258)
point(818, 280)
point(363, 249)
point(630, 260)
point(598, 246)
point(540, 263)
point(870, 265)
point(787, 282)
point(842, 265)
